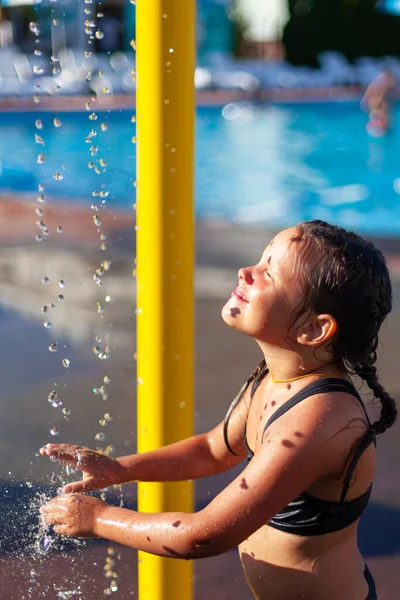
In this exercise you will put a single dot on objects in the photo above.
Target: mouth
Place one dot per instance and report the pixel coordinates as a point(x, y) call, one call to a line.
point(237, 293)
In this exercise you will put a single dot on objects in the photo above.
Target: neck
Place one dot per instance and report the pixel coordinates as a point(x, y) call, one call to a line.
point(286, 364)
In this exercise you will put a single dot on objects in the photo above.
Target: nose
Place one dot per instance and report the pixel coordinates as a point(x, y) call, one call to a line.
point(245, 275)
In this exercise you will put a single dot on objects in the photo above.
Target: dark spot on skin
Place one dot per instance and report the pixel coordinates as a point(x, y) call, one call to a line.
point(271, 243)
point(266, 404)
point(203, 543)
point(252, 554)
point(287, 443)
point(176, 524)
point(269, 260)
point(257, 437)
point(234, 312)
point(289, 386)
point(172, 552)
point(148, 538)
point(269, 441)
point(260, 417)
point(273, 403)
point(243, 484)
point(298, 434)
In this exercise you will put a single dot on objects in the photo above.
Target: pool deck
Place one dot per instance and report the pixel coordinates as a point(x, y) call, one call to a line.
point(62, 103)
point(223, 362)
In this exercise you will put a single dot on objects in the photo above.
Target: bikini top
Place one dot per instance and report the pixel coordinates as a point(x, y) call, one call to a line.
point(307, 515)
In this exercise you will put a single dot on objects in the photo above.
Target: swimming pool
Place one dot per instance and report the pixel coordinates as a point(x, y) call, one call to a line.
point(274, 164)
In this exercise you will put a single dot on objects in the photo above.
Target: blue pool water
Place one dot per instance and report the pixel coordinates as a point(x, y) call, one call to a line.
point(272, 164)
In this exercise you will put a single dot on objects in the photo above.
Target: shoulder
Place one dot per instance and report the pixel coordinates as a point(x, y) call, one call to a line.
point(324, 425)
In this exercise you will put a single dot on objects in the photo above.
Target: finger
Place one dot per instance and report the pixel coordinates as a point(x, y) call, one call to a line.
point(85, 485)
point(63, 453)
point(60, 449)
point(61, 529)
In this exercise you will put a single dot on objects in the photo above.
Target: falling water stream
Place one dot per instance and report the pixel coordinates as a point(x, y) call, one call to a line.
point(41, 542)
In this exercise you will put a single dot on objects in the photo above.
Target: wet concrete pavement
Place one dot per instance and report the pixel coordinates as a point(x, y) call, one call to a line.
point(224, 359)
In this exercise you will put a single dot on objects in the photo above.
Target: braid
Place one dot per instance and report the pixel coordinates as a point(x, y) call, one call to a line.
point(256, 375)
point(367, 371)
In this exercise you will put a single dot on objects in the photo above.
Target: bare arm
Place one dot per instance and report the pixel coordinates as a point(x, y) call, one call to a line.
point(298, 450)
point(192, 458)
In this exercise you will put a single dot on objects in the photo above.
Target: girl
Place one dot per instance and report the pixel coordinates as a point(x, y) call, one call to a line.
point(314, 303)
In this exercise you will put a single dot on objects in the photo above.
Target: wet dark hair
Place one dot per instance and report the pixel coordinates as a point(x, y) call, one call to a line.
point(348, 278)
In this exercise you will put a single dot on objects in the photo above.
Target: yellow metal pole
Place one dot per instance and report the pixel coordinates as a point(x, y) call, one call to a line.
point(165, 43)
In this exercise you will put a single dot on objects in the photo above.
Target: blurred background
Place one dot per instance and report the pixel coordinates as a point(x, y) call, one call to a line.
point(297, 118)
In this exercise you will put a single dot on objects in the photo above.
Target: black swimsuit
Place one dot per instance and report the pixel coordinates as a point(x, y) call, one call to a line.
point(307, 515)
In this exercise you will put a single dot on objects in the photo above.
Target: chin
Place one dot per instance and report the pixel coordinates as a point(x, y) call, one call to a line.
point(231, 315)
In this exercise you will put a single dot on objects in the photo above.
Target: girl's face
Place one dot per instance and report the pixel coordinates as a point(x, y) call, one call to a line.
point(269, 293)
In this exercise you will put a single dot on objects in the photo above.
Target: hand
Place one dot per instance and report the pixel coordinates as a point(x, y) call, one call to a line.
point(73, 514)
point(98, 470)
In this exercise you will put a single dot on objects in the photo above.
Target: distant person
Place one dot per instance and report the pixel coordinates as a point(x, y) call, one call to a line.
point(314, 303)
point(375, 102)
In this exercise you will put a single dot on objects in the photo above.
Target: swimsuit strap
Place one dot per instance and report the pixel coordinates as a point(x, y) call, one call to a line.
point(330, 384)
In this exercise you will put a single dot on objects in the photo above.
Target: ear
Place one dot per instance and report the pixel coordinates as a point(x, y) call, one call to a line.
point(317, 331)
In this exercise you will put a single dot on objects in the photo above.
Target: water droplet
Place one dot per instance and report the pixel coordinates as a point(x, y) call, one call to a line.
point(139, 381)
point(45, 280)
point(66, 412)
point(65, 362)
point(182, 405)
point(52, 397)
point(57, 122)
point(47, 324)
point(42, 225)
point(45, 309)
point(107, 380)
point(53, 347)
point(100, 437)
point(41, 199)
point(100, 307)
point(103, 246)
point(170, 50)
point(34, 28)
point(36, 99)
point(54, 431)
point(102, 162)
point(39, 124)
point(93, 150)
point(108, 298)
point(104, 126)
point(114, 586)
point(60, 297)
point(58, 176)
point(37, 52)
point(138, 311)
point(102, 422)
point(97, 221)
point(56, 404)
point(108, 417)
point(40, 187)
point(59, 229)
point(99, 34)
point(61, 283)
point(39, 140)
point(37, 70)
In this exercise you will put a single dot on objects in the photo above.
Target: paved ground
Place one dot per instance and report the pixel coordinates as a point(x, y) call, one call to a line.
point(29, 371)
